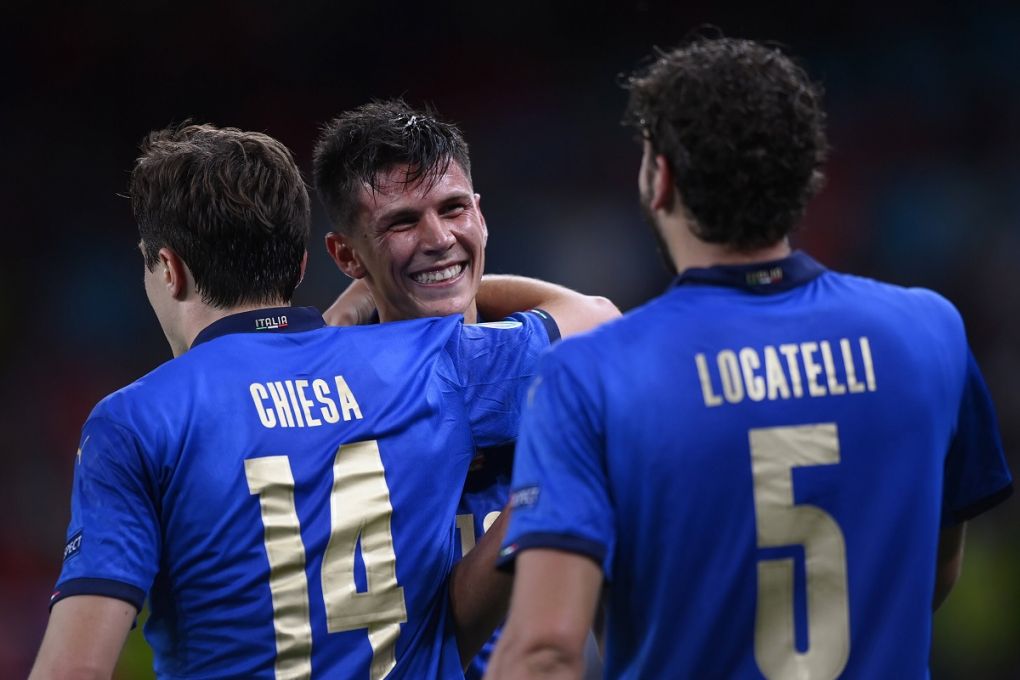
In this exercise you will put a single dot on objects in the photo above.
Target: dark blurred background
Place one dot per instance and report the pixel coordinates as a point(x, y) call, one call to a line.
point(924, 104)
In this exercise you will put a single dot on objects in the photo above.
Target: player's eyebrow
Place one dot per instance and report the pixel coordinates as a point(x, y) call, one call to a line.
point(409, 214)
point(398, 215)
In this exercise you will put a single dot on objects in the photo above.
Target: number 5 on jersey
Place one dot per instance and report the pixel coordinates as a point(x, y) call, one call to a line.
point(359, 508)
point(775, 451)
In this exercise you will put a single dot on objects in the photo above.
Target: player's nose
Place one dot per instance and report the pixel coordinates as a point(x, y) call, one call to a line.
point(436, 234)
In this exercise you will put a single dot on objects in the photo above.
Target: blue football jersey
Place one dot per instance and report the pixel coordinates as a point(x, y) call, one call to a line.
point(285, 493)
point(486, 493)
point(761, 461)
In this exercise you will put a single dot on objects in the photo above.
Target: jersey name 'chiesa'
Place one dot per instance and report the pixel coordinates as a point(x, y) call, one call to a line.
point(813, 369)
point(289, 403)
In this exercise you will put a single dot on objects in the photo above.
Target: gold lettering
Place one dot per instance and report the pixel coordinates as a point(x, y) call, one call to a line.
point(729, 371)
point(835, 387)
point(489, 520)
point(294, 402)
point(774, 376)
point(848, 363)
point(347, 401)
point(329, 412)
point(279, 396)
point(749, 362)
point(790, 352)
point(869, 368)
point(466, 527)
point(258, 395)
point(711, 398)
point(811, 369)
point(306, 403)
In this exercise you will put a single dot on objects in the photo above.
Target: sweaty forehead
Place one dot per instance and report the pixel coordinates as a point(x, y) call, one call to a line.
point(394, 193)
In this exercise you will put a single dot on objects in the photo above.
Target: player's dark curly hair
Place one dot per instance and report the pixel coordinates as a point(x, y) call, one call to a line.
point(355, 147)
point(231, 204)
point(743, 130)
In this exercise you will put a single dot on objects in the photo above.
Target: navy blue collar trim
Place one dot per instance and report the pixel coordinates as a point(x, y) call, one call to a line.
point(764, 278)
point(269, 320)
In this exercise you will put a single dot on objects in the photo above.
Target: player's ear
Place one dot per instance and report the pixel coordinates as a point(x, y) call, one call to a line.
point(304, 267)
point(663, 189)
point(340, 248)
point(481, 219)
point(174, 273)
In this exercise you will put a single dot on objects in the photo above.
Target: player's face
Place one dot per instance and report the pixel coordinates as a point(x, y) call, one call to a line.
point(422, 252)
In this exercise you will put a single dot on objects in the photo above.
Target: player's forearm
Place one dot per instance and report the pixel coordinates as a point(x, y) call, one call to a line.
point(517, 659)
point(500, 295)
point(553, 605)
point(352, 307)
point(83, 639)
point(479, 593)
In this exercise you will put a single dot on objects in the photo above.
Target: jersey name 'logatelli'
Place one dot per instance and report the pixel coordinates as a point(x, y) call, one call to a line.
point(812, 369)
point(289, 403)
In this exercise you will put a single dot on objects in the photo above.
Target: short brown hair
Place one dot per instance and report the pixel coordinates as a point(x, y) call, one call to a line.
point(356, 146)
point(231, 204)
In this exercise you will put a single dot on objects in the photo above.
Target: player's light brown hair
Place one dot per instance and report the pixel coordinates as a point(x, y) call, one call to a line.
point(231, 204)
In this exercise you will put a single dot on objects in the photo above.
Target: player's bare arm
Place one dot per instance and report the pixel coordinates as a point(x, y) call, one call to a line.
point(479, 593)
point(353, 307)
point(949, 562)
point(551, 611)
point(501, 295)
point(83, 638)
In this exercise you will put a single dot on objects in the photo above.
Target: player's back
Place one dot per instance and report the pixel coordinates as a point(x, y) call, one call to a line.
point(775, 467)
point(301, 496)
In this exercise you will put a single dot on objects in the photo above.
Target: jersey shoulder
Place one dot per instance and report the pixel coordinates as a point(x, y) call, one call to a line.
point(917, 310)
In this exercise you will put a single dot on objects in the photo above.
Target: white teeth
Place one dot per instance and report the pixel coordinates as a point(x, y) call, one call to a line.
point(439, 275)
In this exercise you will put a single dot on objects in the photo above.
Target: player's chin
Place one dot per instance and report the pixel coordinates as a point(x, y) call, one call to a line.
point(453, 300)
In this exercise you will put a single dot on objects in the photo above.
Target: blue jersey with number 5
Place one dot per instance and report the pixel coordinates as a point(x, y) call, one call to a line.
point(285, 494)
point(761, 461)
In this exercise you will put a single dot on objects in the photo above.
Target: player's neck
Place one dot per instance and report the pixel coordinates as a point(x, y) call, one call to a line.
point(197, 315)
point(689, 252)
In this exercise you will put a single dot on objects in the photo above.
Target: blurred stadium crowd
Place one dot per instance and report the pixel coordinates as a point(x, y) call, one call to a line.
point(924, 106)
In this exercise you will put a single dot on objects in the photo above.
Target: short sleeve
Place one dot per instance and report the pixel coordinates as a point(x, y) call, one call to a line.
point(113, 543)
point(976, 474)
point(560, 494)
point(495, 362)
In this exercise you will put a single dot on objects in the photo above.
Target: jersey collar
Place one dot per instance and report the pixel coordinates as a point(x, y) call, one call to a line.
point(776, 276)
point(268, 320)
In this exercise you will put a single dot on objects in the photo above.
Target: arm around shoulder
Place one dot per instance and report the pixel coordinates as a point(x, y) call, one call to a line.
point(501, 295)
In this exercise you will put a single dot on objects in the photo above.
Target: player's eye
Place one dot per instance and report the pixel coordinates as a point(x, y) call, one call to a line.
point(402, 224)
point(455, 209)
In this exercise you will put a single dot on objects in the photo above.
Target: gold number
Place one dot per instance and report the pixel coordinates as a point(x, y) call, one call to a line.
point(271, 479)
point(360, 510)
point(774, 453)
point(466, 527)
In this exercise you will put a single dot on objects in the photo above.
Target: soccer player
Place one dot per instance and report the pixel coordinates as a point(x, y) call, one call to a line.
point(281, 492)
point(410, 231)
point(771, 464)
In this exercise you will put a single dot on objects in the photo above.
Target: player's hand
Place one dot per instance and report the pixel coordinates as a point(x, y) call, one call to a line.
point(354, 307)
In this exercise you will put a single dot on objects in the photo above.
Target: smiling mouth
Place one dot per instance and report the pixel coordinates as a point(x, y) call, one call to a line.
point(439, 275)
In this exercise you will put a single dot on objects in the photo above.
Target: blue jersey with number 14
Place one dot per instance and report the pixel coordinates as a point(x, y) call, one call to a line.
point(761, 460)
point(285, 494)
